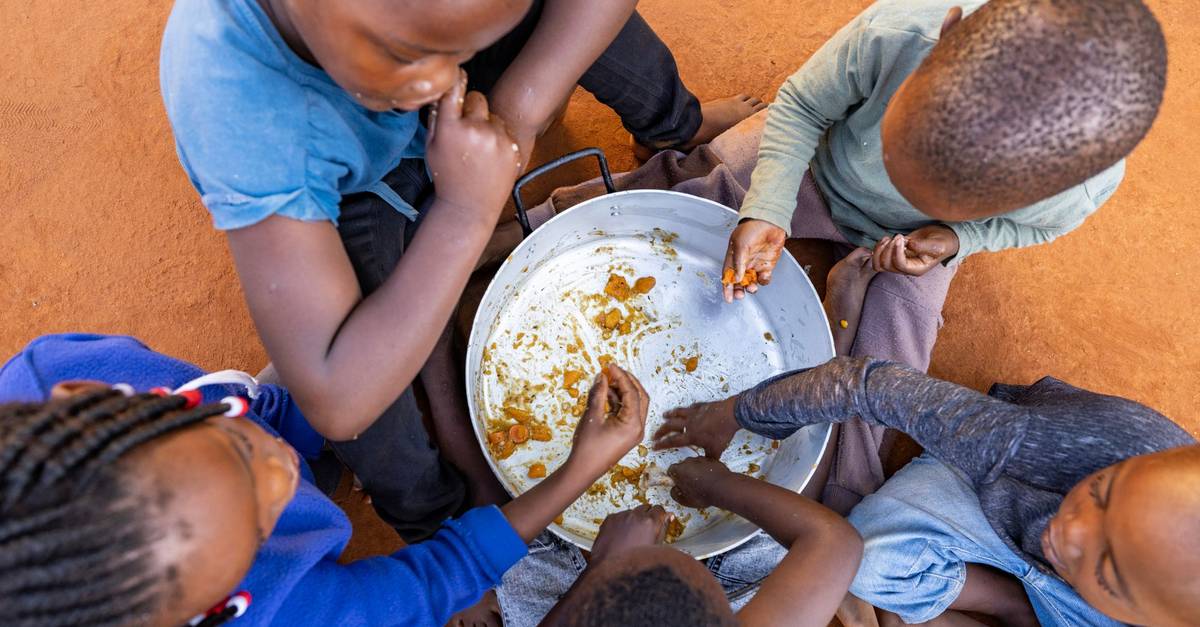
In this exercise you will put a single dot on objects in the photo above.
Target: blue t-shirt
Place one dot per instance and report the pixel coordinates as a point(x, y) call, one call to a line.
point(295, 578)
point(259, 130)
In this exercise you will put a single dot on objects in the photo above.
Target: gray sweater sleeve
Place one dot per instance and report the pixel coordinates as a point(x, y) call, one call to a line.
point(959, 426)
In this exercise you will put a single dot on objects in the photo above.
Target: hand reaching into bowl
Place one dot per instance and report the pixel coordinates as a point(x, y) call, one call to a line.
point(614, 423)
point(710, 426)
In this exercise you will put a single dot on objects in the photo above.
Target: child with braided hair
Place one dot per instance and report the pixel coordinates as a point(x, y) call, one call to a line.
point(119, 507)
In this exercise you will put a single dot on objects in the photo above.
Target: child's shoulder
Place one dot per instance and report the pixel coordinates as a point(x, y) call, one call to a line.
point(916, 17)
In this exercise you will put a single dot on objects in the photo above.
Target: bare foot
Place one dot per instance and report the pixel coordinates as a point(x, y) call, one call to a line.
point(845, 290)
point(719, 116)
point(485, 613)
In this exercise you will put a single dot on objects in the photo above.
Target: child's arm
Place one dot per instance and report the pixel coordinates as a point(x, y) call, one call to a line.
point(822, 92)
point(570, 36)
point(347, 358)
point(959, 426)
point(823, 549)
point(600, 442)
point(426, 583)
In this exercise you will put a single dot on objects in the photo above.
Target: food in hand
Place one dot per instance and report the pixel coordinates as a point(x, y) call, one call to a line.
point(748, 278)
point(675, 528)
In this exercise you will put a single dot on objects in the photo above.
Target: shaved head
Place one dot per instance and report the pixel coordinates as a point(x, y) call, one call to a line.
point(1024, 99)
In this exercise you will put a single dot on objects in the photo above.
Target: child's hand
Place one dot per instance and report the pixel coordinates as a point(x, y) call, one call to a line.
point(917, 253)
point(473, 159)
point(710, 426)
point(697, 481)
point(631, 529)
point(754, 244)
point(614, 423)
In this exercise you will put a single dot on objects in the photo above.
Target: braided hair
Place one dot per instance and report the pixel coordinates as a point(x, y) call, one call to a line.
point(76, 538)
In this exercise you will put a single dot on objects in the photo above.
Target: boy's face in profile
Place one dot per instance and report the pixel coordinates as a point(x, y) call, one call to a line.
point(1127, 538)
point(397, 54)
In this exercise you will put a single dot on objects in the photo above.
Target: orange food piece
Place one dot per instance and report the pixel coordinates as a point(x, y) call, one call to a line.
point(644, 285)
point(571, 377)
point(497, 437)
point(558, 520)
point(537, 470)
point(541, 433)
point(750, 276)
point(506, 450)
point(518, 433)
point(617, 287)
point(611, 319)
point(573, 393)
point(675, 528)
point(691, 363)
point(518, 414)
point(625, 327)
point(605, 360)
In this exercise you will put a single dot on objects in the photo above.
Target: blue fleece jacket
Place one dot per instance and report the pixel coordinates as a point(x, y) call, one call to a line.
point(295, 578)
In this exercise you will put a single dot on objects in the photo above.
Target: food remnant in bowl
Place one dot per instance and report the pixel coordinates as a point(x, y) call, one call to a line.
point(610, 319)
point(540, 433)
point(518, 433)
point(691, 363)
point(644, 285)
point(571, 377)
point(497, 437)
point(518, 414)
point(774, 443)
point(617, 287)
point(558, 520)
point(753, 468)
point(748, 277)
point(537, 470)
point(768, 337)
point(507, 448)
point(675, 528)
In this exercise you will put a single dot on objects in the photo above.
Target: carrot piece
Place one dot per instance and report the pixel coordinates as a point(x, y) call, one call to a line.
point(541, 433)
point(537, 470)
point(496, 437)
point(644, 285)
point(518, 433)
point(691, 363)
point(518, 414)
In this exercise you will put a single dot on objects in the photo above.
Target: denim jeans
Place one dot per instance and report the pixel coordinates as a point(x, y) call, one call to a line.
point(922, 528)
point(533, 587)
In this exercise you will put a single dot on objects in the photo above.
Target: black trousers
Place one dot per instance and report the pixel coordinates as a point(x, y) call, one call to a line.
point(412, 487)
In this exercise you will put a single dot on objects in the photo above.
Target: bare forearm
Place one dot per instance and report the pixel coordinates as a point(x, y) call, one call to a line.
point(530, 513)
point(569, 37)
point(785, 515)
point(343, 358)
point(818, 541)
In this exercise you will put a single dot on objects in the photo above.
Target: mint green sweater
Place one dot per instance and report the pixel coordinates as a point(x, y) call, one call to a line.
point(827, 118)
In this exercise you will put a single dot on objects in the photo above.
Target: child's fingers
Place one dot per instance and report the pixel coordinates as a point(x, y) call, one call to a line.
point(672, 425)
point(475, 107)
point(877, 254)
point(674, 440)
point(598, 395)
point(451, 105)
point(899, 261)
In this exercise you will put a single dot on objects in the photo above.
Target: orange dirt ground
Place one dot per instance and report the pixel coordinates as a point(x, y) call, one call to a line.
point(102, 232)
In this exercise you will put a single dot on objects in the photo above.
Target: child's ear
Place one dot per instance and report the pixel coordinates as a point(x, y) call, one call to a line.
point(953, 17)
point(277, 489)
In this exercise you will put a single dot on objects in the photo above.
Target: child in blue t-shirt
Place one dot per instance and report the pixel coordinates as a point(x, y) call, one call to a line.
point(131, 504)
point(300, 125)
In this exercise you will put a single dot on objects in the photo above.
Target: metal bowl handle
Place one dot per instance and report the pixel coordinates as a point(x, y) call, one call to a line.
point(523, 215)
